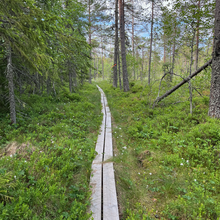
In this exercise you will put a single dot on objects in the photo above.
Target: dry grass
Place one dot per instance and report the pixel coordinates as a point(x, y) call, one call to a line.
point(13, 148)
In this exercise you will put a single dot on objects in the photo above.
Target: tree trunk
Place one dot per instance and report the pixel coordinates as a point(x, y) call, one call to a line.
point(142, 64)
point(94, 67)
point(197, 39)
point(119, 69)
point(115, 77)
point(214, 103)
point(190, 72)
point(103, 77)
point(173, 60)
point(133, 40)
point(10, 76)
point(151, 41)
point(164, 48)
point(123, 50)
point(90, 41)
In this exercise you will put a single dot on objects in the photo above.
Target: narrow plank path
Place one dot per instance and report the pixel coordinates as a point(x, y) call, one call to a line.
point(104, 205)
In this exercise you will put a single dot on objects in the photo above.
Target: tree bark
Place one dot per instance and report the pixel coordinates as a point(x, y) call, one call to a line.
point(142, 63)
point(214, 103)
point(115, 77)
point(173, 59)
point(151, 41)
point(133, 40)
point(103, 77)
point(182, 83)
point(119, 70)
point(197, 39)
point(94, 68)
point(10, 76)
point(164, 48)
point(123, 49)
point(90, 41)
point(190, 71)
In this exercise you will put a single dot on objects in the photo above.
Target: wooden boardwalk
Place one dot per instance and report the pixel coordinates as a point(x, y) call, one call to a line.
point(104, 205)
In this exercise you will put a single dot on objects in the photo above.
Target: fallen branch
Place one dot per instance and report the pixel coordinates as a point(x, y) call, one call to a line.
point(182, 83)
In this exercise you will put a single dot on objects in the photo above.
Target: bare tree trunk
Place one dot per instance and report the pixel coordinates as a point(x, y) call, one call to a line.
point(164, 49)
point(190, 72)
point(123, 50)
point(214, 103)
point(103, 77)
point(94, 67)
point(119, 70)
point(151, 41)
point(142, 63)
point(10, 76)
point(137, 56)
point(115, 77)
point(197, 39)
point(133, 40)
point(90, 41)
point(173, 60)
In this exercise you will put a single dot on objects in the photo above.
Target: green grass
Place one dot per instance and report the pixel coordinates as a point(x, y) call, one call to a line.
point(54, 139)
point(167, 161)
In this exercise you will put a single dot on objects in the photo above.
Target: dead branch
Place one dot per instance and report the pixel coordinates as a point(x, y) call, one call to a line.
point(182, 83)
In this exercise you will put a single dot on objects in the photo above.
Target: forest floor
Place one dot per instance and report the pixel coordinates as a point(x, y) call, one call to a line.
point(166, 160)
point(45, 159)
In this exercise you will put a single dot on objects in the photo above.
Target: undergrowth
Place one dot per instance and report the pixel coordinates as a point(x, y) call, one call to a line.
point(46, 157)
point(167, 161)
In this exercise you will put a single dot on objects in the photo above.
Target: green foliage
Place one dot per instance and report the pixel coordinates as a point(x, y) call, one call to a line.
point(47, 177)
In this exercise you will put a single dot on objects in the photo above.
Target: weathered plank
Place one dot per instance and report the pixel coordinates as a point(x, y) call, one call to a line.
point(110, 204)
point(96, 183)
point(103, 173)
point(96, 174)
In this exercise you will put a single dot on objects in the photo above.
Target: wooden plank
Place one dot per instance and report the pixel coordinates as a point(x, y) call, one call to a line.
point(96, 174)
point(108, 150)
point(109, 196)
point(96, 183)
point(110, 204)
point(100, 141)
